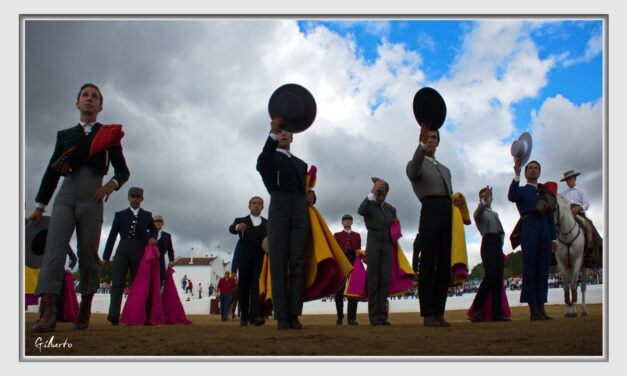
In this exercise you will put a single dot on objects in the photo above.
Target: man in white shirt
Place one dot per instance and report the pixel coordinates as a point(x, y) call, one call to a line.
point(578, 199)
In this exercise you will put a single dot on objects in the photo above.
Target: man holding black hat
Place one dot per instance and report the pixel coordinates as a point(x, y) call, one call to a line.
point(431, 182)
point(136, 228)
point(350, 242)
point(82, 155)
point(379, 216)
point(292, 109)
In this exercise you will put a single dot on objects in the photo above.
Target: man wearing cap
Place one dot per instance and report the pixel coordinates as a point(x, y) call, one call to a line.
point(350, 242)
point(431, 182)
point(251, 230)
point(378, 216)
point(164, 243)
point(82, 155)
point(283, 175)
point(537, 239)
point(136, 229)
point(578, 199)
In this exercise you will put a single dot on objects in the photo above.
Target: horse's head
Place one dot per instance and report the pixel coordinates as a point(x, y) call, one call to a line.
point(563, 216)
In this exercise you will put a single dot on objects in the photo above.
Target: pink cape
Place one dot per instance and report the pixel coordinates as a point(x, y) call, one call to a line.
point(145, 304)
point(487, 307)
point(401, 279)
point(70, 303)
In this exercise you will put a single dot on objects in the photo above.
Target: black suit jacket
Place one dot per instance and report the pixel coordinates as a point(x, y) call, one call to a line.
point(251, 238)
point(99, 163)
point(145, 228)
point(280, 172)
point(165, 245)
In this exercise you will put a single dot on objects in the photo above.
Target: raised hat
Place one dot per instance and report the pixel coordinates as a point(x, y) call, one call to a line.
point(570, 173)
point(429, 107)
point(136, 191)
point(387, 186)
point(35, 245)
point(521, 148)
point(295, 104)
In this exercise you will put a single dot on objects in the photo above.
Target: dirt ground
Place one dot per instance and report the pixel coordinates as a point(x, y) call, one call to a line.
point(406, 337)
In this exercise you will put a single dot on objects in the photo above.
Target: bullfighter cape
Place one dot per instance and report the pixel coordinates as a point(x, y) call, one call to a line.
point(459, 254)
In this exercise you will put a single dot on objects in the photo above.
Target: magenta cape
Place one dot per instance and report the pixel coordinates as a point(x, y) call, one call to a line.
point(401, 279)
point(145, 304)
point(70, 303)
point(487, 307)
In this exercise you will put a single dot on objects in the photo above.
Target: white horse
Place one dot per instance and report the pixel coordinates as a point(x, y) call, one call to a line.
point(569, 255)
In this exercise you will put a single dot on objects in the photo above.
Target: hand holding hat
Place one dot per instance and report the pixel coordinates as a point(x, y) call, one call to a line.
point(293, 107)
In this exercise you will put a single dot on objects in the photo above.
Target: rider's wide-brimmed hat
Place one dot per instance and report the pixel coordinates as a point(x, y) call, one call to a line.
point(570, 173)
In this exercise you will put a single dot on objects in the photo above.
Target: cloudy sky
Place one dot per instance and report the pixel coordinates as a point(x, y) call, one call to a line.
point(192, 95)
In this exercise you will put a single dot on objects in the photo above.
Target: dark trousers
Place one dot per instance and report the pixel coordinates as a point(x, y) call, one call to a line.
point(535, 241)
point(492, 283)
point(288, 233)
point(225, 303)
point(351, 310)
point(378, 280)
point(127, 257)
point(250, 261)
point(435, 259)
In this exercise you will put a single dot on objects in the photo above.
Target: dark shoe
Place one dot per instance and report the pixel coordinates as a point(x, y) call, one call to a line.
point(339, 322)
point(353, 322)
point(442, 321)
point(48, 321)
point(543, 312)
point(84, 312)
point(476, 316)
point(258, 321)
point(243, 322)
point(282, 324)
point(501, 318)
point(431, 322)
point(385, 322)
point(295, 324)
point(535, 314)
point(114, 319)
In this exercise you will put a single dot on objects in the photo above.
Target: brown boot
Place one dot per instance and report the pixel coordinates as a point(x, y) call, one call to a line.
point(84, 312)
point(48, 321)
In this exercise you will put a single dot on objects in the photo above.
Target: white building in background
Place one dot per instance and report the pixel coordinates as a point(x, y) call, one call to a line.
point(205, 270)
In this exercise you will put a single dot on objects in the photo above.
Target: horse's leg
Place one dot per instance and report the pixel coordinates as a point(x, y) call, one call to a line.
point(571, 286)
point(584, 283)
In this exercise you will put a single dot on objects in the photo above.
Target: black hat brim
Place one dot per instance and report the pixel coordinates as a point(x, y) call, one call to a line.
point(429, 108)
point(287, 94)
point(35, 242)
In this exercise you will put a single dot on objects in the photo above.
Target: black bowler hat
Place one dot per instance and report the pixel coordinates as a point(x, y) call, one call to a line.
point(295, 104)
point(429, 107)
point(35, 244)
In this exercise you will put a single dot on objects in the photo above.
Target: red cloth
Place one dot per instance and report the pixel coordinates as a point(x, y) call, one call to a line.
point(552, 187)
point(356, 285)
point(106, 137)
point(70, 302)
point(487, 307)
point(143, 305)
point(173, 311)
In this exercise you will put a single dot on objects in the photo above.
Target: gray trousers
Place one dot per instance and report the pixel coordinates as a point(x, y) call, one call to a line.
point(127, 257)
point(288, 233)
point(73, 208)
point(379, 260)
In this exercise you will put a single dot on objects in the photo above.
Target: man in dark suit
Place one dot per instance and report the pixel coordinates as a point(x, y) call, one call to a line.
point(350, 242)
point(251, 230)
point(379, 216)
point(283, 175)
point(82, 155)
point(164, 243)
point(136, 229)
